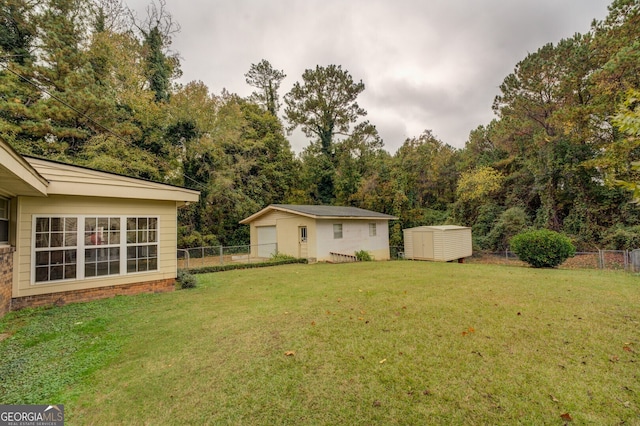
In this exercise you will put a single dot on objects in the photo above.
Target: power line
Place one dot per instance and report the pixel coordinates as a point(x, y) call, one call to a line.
point(77, 111)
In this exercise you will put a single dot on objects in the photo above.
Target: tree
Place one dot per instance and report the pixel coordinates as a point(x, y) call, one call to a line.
point(324, 104)
point(161, 65)
point(267, 80)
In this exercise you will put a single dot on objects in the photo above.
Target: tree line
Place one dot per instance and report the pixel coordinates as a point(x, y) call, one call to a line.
point(90, 83)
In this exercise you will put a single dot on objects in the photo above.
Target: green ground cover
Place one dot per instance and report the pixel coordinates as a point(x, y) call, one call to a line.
point(367, 343)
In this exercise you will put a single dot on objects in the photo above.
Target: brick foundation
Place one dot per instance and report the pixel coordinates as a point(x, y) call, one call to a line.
point(85, 295)
point(6, 278)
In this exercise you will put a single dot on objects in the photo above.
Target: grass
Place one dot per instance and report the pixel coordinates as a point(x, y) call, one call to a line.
point(366, 343)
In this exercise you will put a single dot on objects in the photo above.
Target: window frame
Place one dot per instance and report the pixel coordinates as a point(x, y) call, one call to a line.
point(84, 245)
point(338, 231)
point(5, 212)
point(373, 232)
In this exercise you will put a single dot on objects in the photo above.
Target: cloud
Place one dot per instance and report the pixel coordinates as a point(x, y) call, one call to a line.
point(433, 64)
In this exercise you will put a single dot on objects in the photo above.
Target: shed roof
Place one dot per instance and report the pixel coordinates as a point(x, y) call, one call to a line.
point(322, 212)
point(439, 227)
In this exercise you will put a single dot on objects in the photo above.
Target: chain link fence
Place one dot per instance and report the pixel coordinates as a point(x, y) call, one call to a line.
point(223, 255)
point(613, 260)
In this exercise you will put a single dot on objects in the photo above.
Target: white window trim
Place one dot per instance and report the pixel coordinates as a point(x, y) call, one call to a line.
point(6, 221)
point(81, 246)
point(373, 229)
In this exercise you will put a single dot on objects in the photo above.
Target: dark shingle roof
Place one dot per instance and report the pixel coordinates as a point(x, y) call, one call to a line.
point(332, 211)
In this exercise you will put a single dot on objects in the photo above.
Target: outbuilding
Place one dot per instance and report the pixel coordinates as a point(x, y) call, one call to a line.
point(318, 233)
point(439, 243)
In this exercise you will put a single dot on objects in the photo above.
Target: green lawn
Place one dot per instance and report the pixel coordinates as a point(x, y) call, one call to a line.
point(368, 343)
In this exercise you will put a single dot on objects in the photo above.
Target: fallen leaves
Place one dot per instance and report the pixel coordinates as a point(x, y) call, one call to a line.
point(566, 417)
point(289, 353)
point(469, 331)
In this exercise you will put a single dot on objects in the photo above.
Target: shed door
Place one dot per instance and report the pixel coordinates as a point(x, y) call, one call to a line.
point(266, 241)
point(423, 245)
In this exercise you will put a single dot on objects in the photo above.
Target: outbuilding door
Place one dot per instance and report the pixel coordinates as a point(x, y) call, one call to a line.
point(267, 241)
point(423, 245)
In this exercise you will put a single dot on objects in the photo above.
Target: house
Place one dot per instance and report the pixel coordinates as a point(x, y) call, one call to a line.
point(70, 233)
point(318, 233)
point(439, 243)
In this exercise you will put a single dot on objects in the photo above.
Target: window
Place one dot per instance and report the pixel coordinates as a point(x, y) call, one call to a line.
point(372, 229)
point(102, 246)
point(4, 220)
point(74, 248)
point(337, 231)
point(142, 244)
point(303, 234)
point(56, 241)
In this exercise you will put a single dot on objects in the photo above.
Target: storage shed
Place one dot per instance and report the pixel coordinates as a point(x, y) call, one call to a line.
point(440, 243)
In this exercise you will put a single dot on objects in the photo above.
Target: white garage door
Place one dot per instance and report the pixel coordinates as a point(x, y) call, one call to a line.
point(266, 241)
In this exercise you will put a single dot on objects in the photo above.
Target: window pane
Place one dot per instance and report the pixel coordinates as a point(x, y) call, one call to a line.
point(42, 258)
point(131, 237)
point(57, 224)
point(69, 272)
point(131, 224)
point(143, 223)
point(56, 273)
point(42, 224)
point(4, 230)
point(70, 239)
point(89, 269)
point(57, 257)
point(90, 224)
point(142, 265)
point(4, 208)
point(42, 240)
point(132, 266)
point(57, 239)
point(114, 267)
point(131, 252)
point(153, 223)
point(42, 274)
point(71, 224)
point(153, 264)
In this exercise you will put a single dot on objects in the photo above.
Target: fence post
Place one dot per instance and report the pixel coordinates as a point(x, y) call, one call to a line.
point(221, 256)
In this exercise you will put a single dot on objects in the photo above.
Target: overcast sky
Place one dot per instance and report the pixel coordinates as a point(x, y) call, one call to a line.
point(426, 64)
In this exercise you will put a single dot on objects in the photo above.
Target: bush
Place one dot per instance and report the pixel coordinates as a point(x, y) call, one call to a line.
point(542, 248)
point(281, 257)
point(363, 256)
point(623, 238)
point(186, 279)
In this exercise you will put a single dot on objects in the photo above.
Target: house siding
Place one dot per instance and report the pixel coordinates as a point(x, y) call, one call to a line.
point(71, 205)
point(355, 237)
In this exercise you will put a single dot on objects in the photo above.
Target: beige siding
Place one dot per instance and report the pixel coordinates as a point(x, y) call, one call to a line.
point(443, 243)
point(28, 207)
point(289, 239)
point(66, 179)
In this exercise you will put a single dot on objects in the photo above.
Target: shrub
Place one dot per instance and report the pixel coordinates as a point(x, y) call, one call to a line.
point(280, 257)
point(542, 248)
point(363, 256)
point(511, 222)
point(186, 279)
point(623, 238)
